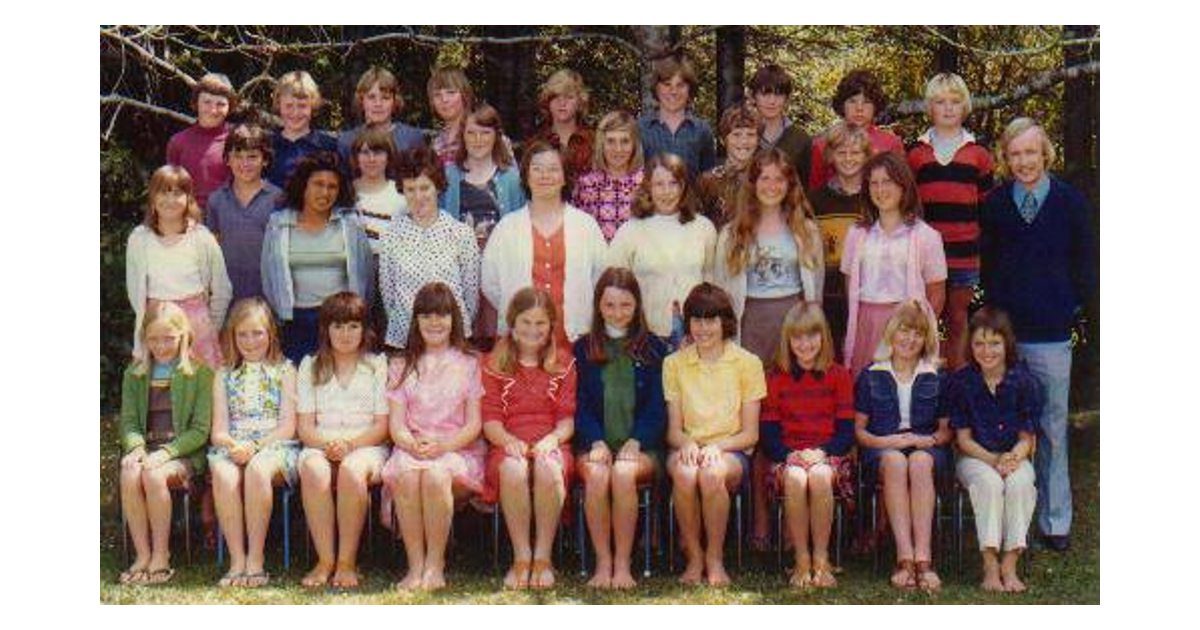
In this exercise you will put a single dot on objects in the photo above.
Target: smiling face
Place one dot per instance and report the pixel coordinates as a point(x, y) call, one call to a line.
point(885, 193)
point(1026, 157)
point(346, 337)
point(421, 194)
point(372, 161)
point(297, 113)
point(546, 177)
point(672, 94)
point(564, 108)
point(947, 110)
point(771, 187)
point(163, 341)
point(706, 332)
point(448, 104)
point(253, 339)
point(171, 206)
point(617, 307)
point(806, 347)
point(907, 343)
point(987, 347)
point(479, 140)
point(859, 111)
point(246, 165)
point(378, 105)
point(618, 150)
point(531, 330)
point(665, 191)
point(848, 160)
point(211, 110)
point(741, 143)
point(321, 192)
point(770, 106)
point(435, 329)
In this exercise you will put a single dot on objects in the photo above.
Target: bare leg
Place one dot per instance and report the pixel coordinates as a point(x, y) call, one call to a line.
point(820, 504)
point(796, 510)
point(595, 478)
point(226, 487)
point(625, 479)
point(437, 498)
point(133, 503)
point(353, 485)
point(893, 471)
point(516, 505)
point(259, 492)
point(549, 494)
point(406, 495)
point(715, 481)
point(685, 483)
point(923, 496)
point(1008, 571)
point(316, 492)
point(158, 506)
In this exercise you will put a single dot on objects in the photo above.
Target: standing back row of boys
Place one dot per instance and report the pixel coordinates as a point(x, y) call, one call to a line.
point(316, 259)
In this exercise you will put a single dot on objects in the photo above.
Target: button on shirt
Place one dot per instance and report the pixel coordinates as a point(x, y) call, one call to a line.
point(711, 393)
point(692, 141)
point(995, 420)
point(550, 272)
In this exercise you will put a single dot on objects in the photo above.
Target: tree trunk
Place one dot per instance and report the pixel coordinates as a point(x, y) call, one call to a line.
point(654, 41)
point(947, 53)
point(510, 76)
point(731, 67)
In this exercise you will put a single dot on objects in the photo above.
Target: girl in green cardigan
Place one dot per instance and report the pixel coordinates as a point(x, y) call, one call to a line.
point(166, 402)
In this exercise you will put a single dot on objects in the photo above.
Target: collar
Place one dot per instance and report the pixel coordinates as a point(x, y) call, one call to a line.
point(927, 137)
point(291, 217)
point(692, 355)
point(903, 230)
point(654, 119)
point(764, 143)
point(798, 373)
point(1040, 190)
point(924, 366)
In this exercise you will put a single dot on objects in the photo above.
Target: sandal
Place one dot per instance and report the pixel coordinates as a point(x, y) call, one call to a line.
point(904, 577)
point(231, 579)
point(520, 573)
point(822, 576)
point(256, 580)
point(132, 578)
point(802, 576)
point(535, 572)
point(927, 578)
point(160, 576)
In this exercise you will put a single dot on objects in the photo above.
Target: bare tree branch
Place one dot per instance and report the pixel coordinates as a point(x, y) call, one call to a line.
point(117, 99)
point(1036, 85)
point(149, 56)
point(1058, 42)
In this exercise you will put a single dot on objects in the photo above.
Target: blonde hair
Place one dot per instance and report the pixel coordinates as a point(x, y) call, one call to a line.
point(248, 309)
point(947, 82)
point(298, 84)
point(504, 357)
point(564, 82)
point(804, 318)
point(843, 134)
point(915, 315)
point(167, 178)
point(618, 120)
point(172, 315)
point(1014, 129)
point(387, 83)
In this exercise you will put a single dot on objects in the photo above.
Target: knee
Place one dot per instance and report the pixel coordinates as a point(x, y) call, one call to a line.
point(820, 478)
point(795, 482)
point(514, 471)
point(624, 474)
point(314, 472)
point(893, 466)
point(920, 466)
point(154, 480)
point(131, 477)
point(547, 473)
point(435, 479)
point(351, 479)
point(712, 480)
point(406, 486)
point(684, 476)
point(259, 473)
point(597, 476)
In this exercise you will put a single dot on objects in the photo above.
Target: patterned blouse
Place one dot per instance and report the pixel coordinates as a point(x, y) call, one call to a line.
point(411, 256)
point(608, 199)
point(255, 394)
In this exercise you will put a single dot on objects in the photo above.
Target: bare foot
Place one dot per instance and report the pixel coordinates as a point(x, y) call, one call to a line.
point(991, 573)
point(716, 573)
point(518, 575)
point(411, 581)
point(318, 576)
point(622, 577)
point(345, 577)
point(1008, 574)
point(602, 578)
point(693, 573)
point(159, 563)
point(434, 578)
point(927, 578)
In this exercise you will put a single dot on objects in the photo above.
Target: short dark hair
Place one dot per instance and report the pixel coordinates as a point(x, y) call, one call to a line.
point(997, 321)
point(377, 137)
point(316, 163)
point(249, 137)
point(668, 67)
point(859, 82)
point(420, 161)
point(771, 79)
point(705, 301)
point(538, 147)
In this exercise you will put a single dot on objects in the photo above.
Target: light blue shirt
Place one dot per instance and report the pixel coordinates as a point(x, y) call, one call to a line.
point(1040, 190)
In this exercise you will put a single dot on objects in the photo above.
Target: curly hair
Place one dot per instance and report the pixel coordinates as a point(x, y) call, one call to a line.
point(313, 163)
point(858, 82)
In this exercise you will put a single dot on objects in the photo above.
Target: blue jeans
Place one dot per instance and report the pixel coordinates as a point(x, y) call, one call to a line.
point(1051, 365)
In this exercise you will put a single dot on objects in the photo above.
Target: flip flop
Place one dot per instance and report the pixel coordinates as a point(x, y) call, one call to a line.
point(230, 579)
point(256, 580)
point(131, 578)
point(160, 576)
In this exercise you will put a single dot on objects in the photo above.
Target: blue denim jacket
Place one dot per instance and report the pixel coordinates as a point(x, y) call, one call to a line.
point(509, 195)
point(650, 409)
point(277, 273)
point(875, 395)
point(995, 420)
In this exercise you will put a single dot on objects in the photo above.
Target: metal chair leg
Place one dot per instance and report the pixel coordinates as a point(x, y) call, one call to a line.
point(645, 505)
point(840, 525)
point(220, 545)
point(287, 528)
point(496, 537)
point(581, 532)
point(738, 502)
point(187, 526)
point(671, 534)
point(778, 534)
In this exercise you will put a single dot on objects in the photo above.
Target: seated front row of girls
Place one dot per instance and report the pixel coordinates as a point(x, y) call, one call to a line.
point(442, 403)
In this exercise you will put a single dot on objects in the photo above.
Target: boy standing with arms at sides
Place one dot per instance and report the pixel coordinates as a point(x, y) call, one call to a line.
point(953, 176)
point(1040, 263)
point(672, 128)
point(199, 149)
point(770, 90)
point(859, 100)
point(297, 99)
point(238, 211)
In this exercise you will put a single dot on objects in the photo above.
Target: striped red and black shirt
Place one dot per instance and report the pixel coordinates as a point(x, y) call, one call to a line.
point(952, 194)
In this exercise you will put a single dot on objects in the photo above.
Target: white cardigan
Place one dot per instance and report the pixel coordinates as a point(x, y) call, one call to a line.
point(212, 275)
point(813, 280)
point(508, 265)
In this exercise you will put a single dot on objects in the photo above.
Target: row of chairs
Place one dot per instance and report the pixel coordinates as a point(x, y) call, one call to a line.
point(952, 520)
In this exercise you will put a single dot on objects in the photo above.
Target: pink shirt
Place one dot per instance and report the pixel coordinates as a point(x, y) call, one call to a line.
point(202, 152)
point(435, 396)
point(885, 264)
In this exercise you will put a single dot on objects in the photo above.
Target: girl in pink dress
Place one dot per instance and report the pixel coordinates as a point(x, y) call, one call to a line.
point(435, 424)
point(529, 418)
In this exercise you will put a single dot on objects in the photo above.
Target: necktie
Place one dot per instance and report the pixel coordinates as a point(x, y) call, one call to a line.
point(1029, 207)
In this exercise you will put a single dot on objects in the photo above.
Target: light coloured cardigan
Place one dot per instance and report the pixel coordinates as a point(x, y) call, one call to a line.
point(508, 265)
point(212, 275)
point(813, 280)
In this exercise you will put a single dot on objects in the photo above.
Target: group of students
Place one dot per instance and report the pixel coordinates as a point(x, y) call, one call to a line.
point(612, 307)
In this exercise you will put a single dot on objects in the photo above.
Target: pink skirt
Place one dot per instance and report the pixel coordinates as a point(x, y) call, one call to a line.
point(872, 319)
point(465, 466)
point(207, 345)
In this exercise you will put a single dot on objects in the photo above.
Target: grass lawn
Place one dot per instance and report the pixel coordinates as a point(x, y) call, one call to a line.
point(1053, 578)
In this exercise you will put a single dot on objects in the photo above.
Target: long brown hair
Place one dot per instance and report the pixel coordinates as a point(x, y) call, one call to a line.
point(797, 212)
point(504, 356)
point(636, 340)
point(689, 203)
point(898, 171)
point(340, 308)
point(486, 116)
point(168, 178)
point(434, 298)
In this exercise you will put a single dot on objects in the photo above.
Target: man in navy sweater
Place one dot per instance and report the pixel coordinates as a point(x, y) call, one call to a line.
point(1040, 263)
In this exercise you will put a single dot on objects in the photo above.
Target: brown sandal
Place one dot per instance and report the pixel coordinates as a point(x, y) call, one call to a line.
point(540, 566)
point(520, 573)
point(822, 575)
point(927, 578)
point(904, 577)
